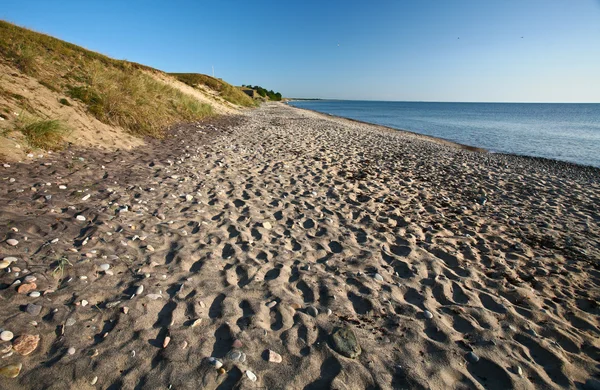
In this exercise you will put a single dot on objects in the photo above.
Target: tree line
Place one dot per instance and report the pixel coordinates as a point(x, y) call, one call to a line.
point(264, 92)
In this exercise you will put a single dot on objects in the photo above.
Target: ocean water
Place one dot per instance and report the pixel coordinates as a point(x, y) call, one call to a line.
point(568, 132)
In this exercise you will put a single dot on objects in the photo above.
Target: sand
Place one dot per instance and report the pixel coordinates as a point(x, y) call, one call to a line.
point(275, 228)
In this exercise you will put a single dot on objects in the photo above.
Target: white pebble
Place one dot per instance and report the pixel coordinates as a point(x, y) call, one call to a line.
point(12, 242)
point(6, 335)
point(80, 218)
point(428, 314)
point(251, 375)
point(62, 187)
point(104, 267)
point(84, 302)
point(86, 197)
point(34, 294)
point(71, 351)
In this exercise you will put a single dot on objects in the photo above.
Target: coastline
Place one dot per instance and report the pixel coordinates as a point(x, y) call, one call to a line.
point(253, 239)
point(544, 160)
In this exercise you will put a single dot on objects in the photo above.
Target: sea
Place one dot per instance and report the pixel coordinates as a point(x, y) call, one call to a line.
point(567, 132)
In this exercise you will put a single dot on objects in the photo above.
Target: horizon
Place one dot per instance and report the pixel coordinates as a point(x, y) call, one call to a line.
point(465, 52)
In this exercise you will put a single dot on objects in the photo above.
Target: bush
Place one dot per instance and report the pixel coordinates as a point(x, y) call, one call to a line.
point(44, 134)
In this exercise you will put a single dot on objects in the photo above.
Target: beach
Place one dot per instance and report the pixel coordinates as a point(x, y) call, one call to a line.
point(299, 251)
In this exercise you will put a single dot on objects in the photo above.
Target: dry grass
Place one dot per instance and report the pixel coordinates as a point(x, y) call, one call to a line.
point(227, 91)
point(44, 134)
point(116, 92)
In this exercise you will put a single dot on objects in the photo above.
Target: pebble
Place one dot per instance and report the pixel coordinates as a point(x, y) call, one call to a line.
point(237, 344)
point(166, 341)
point(519, 370)
point(271, 304)
point(12, 242)
point(25, 288)
point(428, 314)
point(6, 335)
point(5, 347)
point(236, 356)
point(33, 309)
point(62, 187)
point(378, 277)
point(25, 344)
point(125, 309)
point(154, 296)
point(196, 322)
point(11, 371)
point(189, 198)
point(10, 259)
point(267, 225)
point(471, 357)
point(34, 294)
point(80, 218)
point(139, 290)
point(86, 197)
point(274, 357)
point(71, 351)
point(94, 380)
point(215, 362)
point(346, 343)
point(251, 376)
point(313, 311)
point(104, 267)
point(30, 279)
point(70, 321)
point(150, 248)
point(84, 302)
point(4, 264)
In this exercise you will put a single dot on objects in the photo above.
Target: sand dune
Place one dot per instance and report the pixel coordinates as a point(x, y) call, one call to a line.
point(271, 230)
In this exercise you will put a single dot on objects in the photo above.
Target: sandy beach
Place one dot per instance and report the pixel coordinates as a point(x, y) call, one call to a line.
point(286, 249)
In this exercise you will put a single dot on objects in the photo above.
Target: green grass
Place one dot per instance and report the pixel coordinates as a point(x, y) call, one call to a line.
point(115, 92)
point(44, 134)
point(59, 267)
point(227, 91)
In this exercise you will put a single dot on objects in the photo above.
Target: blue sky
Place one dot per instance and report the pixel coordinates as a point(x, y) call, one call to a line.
point(374, 50)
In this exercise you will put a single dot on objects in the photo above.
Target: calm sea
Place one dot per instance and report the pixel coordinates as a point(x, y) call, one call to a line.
point(568, 132)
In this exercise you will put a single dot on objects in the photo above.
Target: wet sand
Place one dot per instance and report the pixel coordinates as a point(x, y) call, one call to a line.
point(269, 231)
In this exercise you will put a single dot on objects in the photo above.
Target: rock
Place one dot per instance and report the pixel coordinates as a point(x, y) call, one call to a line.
point(5, 347)
point(33, 309)
point(71, 351)
point(12, 242)
point(34, 294)
point(378, 277)
point(519, 371)
point(267, 225)
point(237, 344)
point(26, 343)
point(70, 321)
point(215, 362)
point(196, 322)
point(62, 187)
point(427, 314)
point(104, 267)
point(271, 304)
point(86, 197)
point(139, 290)
point(26, 288)
point(236, 356)
point(274, 357)
point(154, 296)
point(30, 279)
point(313, 311)
point(125, 309)
point(11, 259)
point(4, 264)
point(11, 371)
point(166, 341)
point(344, 342)
point(189, 198)
point(84, 302)
point(80, 218)
point(471, 357)
point(6, 335)
point(251, 376)
point(94, 380)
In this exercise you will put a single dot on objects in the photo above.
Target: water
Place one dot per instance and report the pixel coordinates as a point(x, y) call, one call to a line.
point(568, 132)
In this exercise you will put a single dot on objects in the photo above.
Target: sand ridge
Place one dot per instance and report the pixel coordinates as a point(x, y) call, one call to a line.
point(254, 224)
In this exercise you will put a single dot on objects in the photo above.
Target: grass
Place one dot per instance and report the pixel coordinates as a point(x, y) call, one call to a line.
point(44, 134)
point(115, 92)
point(227, 91)
point(59, 269)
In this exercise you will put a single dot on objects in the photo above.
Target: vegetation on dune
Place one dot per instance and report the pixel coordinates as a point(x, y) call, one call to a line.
point(276, 96)
point(116, 92)
point(43, 133)
point(227, 91)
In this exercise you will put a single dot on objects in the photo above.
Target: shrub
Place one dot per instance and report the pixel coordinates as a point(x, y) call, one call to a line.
point(44, 134)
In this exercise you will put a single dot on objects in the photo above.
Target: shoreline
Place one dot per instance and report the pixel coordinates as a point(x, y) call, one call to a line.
point(231, 253)
point(460, 145)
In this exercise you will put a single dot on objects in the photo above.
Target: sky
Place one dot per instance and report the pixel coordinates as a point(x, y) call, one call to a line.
point(401, 50)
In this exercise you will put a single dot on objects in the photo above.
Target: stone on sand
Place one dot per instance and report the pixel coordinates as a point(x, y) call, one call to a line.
point(11, 371)
point(26, 343)
point(12, 242)
point(274, 357)
point(344, 341)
